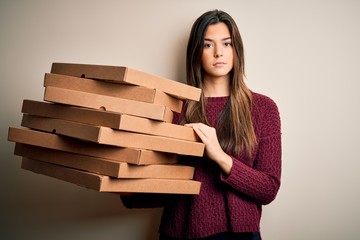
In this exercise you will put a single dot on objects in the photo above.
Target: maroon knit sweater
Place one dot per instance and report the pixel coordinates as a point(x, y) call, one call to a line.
point(227, 203)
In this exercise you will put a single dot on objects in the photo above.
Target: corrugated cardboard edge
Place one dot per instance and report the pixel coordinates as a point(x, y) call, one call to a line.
point(162, 98)
point(96, 101)
point(152, 157)
point(67, 144)
point(107, 184)
point(171, 87)
point(111, 89)
point(150, 142)
point(72, 113)
point(83, 179)
point(103, 166)
point(71, 160)
point(149, 185)
point(130, 76)
point(102, 72)
point(157, 171)
point(108, 119)
point(63, 127)
point(104, 135)
point(157, 128)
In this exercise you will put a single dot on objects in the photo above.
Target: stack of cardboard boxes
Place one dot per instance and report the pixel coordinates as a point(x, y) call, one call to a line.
point(109, 128)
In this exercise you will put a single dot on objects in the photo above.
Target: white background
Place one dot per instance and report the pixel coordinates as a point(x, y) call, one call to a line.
point(303, 54)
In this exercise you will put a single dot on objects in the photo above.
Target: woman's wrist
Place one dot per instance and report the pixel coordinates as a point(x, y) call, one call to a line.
point(225, 162)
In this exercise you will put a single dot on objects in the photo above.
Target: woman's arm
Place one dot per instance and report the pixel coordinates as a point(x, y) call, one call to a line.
point(260, 180)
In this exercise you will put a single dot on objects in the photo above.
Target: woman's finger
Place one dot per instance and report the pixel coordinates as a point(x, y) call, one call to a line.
point(199, 128)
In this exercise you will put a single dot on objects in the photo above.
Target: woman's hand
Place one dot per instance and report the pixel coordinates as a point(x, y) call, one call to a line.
point(213, 149)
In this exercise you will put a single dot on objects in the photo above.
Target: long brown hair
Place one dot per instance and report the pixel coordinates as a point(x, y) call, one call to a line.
point(234, 125)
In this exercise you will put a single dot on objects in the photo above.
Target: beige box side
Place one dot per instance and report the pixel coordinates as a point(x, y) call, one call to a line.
point(102, 166)
point(171, 87)
point(82, 162)
point(106, 184)
point(162, 98)
point(67, 144)
point(124, 91)
point(156, 171)
point(62, 127)
point(83, 179)
point(101, 72)
point(71, 113)
point(156, 143)
point(148, 157)
point(113, 137)
point(131, 76)
point(150, 185)
point(100, 102)
point(147, 126)
point(108, 119)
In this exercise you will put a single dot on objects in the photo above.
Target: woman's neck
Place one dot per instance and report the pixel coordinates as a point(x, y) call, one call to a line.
point(216, 86)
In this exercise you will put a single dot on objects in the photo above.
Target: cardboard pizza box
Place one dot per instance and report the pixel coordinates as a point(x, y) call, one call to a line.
point(68, 144)
point(124, 91)
point(105, 135)
point(103, 166)
point(112, 104)
point(108, 119)
point(103, 183)
point(121, 74)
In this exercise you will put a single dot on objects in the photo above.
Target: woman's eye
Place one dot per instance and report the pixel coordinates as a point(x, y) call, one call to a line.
point(228, 44)
point(207, 45)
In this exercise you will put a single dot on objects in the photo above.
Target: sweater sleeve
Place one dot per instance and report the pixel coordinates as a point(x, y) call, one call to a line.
point(261, 181)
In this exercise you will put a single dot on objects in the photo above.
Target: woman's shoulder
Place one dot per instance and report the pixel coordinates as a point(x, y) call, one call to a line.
point(265, 114)
point(263, 101)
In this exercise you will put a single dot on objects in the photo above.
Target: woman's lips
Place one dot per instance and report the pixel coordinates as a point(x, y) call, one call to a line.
point(218, 64)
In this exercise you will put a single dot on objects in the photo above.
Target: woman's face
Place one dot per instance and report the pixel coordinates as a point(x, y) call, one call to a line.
point(218, 56)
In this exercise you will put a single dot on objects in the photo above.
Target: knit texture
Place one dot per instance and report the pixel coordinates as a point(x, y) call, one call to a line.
point(231, 203)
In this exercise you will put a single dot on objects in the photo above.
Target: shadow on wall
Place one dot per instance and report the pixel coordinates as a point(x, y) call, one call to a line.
point(43, 206)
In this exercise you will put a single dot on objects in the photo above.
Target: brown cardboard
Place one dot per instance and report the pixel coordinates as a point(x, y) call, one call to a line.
point(123, 74)
point(107, 184)
point(108, 119)
point(104, 135)
point(72, 113)
point(113, 104)
point(67, 144)
point(124, 91)
point(102, 166)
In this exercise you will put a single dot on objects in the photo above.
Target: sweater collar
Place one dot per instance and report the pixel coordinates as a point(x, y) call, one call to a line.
point(223, 99)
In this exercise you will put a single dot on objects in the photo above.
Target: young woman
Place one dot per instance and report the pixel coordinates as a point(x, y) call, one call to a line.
point(241, 168)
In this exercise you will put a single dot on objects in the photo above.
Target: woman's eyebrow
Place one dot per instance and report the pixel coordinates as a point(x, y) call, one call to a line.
point(211, 40)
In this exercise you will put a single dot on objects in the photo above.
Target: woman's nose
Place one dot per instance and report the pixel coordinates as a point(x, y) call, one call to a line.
point(218, 52)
